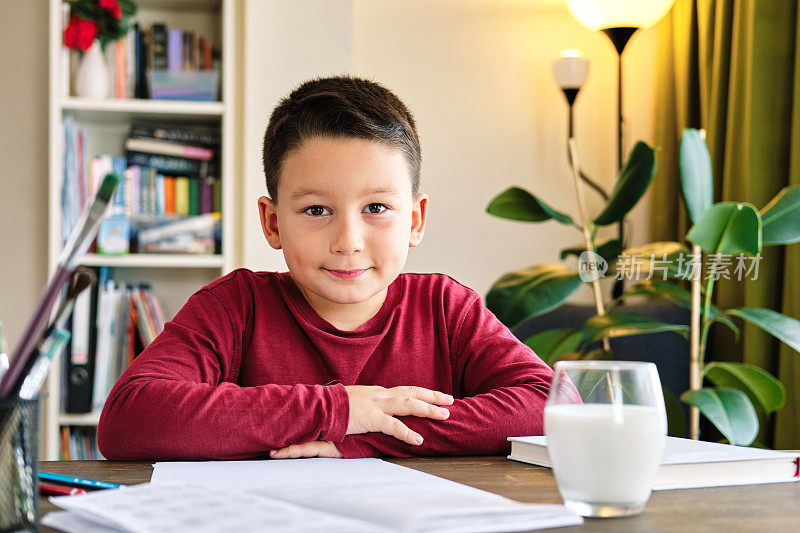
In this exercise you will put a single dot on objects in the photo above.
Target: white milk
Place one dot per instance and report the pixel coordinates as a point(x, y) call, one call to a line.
point(599, 458)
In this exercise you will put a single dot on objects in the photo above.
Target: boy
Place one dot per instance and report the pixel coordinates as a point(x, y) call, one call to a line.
point(342, 356)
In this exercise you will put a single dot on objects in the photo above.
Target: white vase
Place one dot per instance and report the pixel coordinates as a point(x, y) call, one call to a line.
point(92, 80)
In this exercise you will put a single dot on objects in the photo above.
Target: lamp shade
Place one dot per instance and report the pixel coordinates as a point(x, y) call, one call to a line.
point(570, 70)
point(602, 14)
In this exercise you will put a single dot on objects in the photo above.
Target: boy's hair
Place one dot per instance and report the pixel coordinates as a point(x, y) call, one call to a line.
point(339, 106)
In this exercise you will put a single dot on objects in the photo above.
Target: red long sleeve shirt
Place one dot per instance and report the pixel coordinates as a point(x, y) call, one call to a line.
point(247, 366)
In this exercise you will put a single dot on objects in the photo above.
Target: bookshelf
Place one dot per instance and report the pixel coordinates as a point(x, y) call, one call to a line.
point(106, 122)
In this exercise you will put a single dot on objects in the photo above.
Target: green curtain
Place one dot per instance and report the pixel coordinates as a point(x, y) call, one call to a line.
point(733, 68)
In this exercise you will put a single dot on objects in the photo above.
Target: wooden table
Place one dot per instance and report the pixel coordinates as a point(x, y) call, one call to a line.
point(766, 508)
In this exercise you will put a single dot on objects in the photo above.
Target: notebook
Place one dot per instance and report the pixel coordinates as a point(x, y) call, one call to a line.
point(692, 464)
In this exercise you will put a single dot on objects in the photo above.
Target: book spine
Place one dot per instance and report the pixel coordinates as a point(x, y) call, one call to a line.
point(121, 67)
point(194, 196)
point(169, 164)
point(206, 196)
point(130, 63)
point(159, 44)
point(192, 136)
point(218, 196)
point(119, 165)
point(169, 195)
point(175, 49)
point(182, 195)
point(154, 146)
point(160, 202)
point(140, 83)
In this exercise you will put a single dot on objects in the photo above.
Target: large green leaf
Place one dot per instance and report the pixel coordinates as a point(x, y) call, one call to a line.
point(609, 250)
point(676, 294)
point(729, 410)
point(780, 219)
point(763, 389)
point(662, 257)
point(515, 203)
point(782, 327)
point(728, 228)
point(676, 420)
point(530, 292)
point(550, 344)
point(697, 185)
point(622, 324)
point(631, 185)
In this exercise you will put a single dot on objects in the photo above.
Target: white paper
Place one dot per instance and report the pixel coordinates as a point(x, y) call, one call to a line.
point(375, 491)
point(167, 507)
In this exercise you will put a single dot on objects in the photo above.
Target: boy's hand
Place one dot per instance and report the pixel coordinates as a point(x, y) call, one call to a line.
point(316, 448)
point(373, 408)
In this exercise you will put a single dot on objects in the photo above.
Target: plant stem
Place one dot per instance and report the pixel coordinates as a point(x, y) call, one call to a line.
point(587, 233)
point(696, 374)
point(694, 360)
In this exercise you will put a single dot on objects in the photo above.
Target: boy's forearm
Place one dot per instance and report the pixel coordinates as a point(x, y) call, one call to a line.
point(163, 419)
point(478, 425)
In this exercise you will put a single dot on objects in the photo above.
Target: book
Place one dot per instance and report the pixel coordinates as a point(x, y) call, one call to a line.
point(194, 196)
point(191, 135)
point(168, 164)
point(692, 463)
point(174, 49)
point(158, 44)
point(156, 146)
point(182, 195)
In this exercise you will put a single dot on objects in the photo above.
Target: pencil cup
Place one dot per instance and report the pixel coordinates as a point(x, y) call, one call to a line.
point(19, 455)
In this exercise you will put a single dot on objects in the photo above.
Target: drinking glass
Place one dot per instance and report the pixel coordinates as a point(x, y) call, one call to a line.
point(606, 428)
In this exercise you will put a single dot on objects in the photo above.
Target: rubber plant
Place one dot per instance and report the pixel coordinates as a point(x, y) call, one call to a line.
point(735, 391)
point(524, 294)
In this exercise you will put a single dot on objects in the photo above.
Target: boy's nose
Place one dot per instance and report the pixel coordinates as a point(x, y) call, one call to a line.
point(347, 236)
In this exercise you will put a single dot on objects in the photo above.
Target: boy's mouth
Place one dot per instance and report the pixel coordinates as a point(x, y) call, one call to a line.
point(347, 274)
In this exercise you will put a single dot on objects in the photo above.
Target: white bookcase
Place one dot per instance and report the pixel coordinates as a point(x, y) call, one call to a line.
point(173, 277)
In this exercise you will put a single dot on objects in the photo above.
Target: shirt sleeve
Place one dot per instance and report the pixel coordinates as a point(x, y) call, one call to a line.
point(179, 400)
point(503, 387)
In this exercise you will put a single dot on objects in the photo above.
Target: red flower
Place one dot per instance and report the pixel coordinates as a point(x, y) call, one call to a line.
point(80, 33)
point(112, 6)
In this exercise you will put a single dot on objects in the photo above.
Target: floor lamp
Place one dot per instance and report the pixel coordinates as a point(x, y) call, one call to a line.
point(619, 20)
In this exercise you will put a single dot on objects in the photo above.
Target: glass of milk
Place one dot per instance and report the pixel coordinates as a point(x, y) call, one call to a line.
point(606, 425)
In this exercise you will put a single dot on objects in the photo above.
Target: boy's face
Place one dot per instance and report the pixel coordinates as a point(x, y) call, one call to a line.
point(345, 218)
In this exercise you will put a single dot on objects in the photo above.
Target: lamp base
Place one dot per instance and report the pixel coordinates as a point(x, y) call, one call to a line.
point(620, 36)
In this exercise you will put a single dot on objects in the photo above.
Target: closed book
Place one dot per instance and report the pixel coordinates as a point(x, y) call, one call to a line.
point(194, 196)
point(156, 146)
point(174, 49)
point(168, 164)
point(160, 210)
point(158, 52)
point(218, 196)
point(120, 68)
point(182, 195)
point(140, 79)
point(692, 463)
point(169, 195)
point(119, 165)
point(186, 134)
point(206, 195)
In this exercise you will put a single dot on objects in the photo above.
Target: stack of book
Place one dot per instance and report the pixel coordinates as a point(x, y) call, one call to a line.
point(78, 443)
point(111, 324)
point(168, 172)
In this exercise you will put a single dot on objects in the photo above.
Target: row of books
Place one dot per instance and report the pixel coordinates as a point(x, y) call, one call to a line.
point(157, 48)
point(111, 324)
point(79, 443)
point(150, 188)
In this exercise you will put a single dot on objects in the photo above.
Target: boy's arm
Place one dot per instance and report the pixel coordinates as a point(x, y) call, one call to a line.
point(504, 386)
point(179, 398)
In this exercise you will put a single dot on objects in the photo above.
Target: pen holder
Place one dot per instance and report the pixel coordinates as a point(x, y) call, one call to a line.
point(19, 456)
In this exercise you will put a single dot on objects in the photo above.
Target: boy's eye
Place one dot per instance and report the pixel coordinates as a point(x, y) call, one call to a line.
point(316, 211)
point(376, 208)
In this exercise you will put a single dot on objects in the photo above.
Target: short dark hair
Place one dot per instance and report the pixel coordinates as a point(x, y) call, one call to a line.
point(339, 106)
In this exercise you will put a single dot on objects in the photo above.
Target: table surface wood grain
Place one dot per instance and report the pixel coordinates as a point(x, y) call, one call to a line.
point(769, 508)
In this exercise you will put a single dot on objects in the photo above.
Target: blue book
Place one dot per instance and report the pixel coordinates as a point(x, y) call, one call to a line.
point(118, 166)
point(174, 49)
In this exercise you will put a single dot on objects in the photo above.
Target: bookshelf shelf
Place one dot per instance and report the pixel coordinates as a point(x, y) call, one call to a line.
point(154, 260)
point(105, 125)
point(133, 107)
point(87, 419)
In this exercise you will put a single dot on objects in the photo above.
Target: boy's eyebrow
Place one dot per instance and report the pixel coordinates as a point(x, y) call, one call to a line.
point(300, 193)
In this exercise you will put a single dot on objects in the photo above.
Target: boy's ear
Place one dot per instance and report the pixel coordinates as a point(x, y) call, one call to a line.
point(419, 215)
point(269, 221)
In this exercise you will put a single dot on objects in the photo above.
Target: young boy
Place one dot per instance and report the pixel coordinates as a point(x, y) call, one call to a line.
point(342, 356)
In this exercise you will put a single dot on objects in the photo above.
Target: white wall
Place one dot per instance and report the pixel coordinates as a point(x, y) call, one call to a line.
point(23, 158)
point(477, 76)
